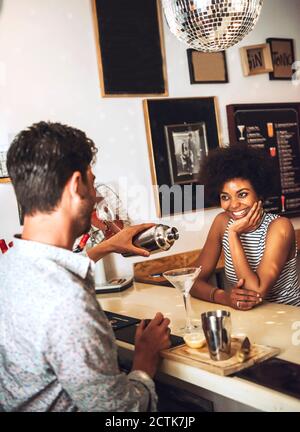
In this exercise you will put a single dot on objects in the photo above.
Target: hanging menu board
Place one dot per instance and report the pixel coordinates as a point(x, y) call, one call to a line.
point(274, 128)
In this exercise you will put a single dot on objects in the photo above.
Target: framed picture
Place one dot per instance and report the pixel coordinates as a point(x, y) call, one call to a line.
point(283, 57)
point(275, 129)
point(130, 48)
point(206, 68)
point(4, 178)
point(180, 132)
point(187, 144)
point(256, 59)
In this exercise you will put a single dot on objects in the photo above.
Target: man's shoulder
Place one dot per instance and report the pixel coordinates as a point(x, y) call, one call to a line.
point(39, 277)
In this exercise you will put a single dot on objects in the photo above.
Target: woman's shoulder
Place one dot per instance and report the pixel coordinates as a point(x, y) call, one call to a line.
point(221, 221)
point(280, 221)
point(281, 226)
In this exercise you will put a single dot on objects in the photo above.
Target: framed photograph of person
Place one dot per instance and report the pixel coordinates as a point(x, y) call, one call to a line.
point(283, 57)
point(180, 132)
point(207, 68)
point(256, 59)
point(187, 145)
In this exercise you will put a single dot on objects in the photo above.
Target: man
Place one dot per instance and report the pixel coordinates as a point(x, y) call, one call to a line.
point(187, 157)
point(57, 349)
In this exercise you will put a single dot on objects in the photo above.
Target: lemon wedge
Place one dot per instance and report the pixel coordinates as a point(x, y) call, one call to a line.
point(194, 340)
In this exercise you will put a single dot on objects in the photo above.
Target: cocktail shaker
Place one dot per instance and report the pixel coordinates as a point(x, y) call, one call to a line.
point(217, 329)
point(155, 239)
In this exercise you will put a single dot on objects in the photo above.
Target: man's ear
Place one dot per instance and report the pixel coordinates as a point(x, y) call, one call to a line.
point(75, 185)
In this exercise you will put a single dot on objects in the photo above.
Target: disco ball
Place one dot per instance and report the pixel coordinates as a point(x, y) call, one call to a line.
point(211, 25)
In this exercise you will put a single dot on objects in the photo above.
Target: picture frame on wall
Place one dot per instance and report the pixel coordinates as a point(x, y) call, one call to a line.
point(180, 132)
point(207, 68)
point(283, 58)
point(187, 145)
point(4, 177)
point(126, 67)
point(256, 59)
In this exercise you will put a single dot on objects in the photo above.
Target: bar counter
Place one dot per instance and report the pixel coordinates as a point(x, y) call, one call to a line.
point(269, 324)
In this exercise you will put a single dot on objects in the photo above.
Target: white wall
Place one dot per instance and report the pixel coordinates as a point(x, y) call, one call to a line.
point(48, 71)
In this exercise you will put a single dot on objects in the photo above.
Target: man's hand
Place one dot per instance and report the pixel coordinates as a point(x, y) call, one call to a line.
point(243, 299)
point(122, 241)
point(249, 222)
point(149, 341)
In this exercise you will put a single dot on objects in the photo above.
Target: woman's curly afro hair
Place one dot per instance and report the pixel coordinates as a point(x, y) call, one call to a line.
point(237, 161)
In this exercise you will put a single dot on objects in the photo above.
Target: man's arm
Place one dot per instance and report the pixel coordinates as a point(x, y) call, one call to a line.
point(80, 348)
point(120, 243)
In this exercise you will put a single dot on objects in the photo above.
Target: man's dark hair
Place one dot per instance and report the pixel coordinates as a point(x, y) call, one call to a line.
point(40, 161)
point(237, 161)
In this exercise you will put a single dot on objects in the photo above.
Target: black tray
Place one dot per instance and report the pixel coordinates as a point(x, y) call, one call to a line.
point(127, 335)
point(118, 321)
point(276, 374)
point(124, 328)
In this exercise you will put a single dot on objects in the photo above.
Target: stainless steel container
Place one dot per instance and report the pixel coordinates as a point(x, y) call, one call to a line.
point(217, 329)
point(155, 239)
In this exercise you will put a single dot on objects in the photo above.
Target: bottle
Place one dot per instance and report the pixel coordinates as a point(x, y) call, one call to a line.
point(155, 239)
point(83, 241)
point(3, 246)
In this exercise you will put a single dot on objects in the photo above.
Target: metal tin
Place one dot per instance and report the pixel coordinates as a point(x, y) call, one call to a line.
point(155, 239)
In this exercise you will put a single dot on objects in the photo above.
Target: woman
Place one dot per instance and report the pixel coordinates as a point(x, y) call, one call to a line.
point(259, 248)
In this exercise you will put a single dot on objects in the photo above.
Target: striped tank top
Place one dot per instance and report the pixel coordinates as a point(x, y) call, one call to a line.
point(286, 290)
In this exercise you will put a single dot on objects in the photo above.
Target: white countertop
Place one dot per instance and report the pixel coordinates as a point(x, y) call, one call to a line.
point(269, 324)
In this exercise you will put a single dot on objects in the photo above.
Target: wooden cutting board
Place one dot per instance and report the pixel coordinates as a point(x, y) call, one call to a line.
point(199, 357)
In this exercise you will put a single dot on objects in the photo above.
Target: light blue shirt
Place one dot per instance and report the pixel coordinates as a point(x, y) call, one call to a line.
point(57, 348)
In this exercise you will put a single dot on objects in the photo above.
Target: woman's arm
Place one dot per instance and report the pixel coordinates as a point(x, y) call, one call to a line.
point(208, 259)
point(280, 242)
point(239, 297)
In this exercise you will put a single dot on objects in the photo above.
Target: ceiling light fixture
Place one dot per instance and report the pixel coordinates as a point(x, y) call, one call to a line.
point(211, 25)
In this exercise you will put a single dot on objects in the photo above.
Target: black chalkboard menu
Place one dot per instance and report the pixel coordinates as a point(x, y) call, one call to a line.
point(130, 47)
point(274, 128)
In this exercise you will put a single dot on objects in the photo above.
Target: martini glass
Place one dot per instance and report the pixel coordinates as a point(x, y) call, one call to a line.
point(241, 128)
point(183, 279)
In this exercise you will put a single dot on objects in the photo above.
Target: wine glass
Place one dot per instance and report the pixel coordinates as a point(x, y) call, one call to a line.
point(183, 279)
point(109, 215)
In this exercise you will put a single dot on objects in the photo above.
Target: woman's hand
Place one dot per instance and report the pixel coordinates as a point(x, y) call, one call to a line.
point(243, 299)
point(249, 222)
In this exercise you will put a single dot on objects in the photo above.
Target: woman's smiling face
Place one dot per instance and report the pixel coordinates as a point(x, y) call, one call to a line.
point(237, 197)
